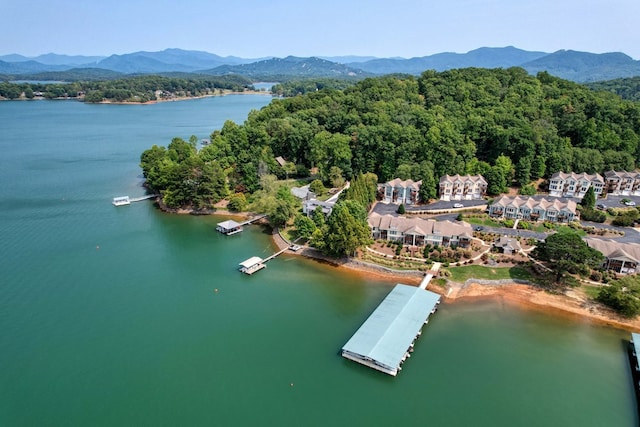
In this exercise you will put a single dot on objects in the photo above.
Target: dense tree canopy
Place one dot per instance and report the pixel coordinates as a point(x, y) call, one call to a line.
point(183, 176)
point(504, 124)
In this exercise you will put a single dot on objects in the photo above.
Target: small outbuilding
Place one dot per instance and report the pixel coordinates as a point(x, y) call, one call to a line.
point(507, 245)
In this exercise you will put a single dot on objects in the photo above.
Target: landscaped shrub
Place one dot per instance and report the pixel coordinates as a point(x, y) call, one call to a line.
point(593, 215)
point(399, 249)
point(596, 276)
point(626, 220)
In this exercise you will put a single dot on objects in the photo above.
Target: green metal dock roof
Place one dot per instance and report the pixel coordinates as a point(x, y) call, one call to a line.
point(385, 337)
point(635, 339)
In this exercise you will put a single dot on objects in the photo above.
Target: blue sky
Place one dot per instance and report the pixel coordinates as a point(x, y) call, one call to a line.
point(261, 28)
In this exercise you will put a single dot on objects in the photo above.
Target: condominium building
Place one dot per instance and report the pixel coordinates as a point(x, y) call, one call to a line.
point(462, 187)
point(534, 209)
point(575, 184)
point(399, 191)
point(622, 183)
point(419, 231)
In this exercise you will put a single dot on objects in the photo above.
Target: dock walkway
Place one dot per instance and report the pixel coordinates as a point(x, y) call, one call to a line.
point(249, 221)
point(139, 199)
point(255, 263)
point(427, 278)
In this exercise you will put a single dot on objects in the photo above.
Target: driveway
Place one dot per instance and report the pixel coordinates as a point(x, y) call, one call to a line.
point(391, 208)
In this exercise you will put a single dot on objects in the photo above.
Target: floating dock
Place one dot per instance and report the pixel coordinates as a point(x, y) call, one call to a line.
point(385, 340)
point(125, 200)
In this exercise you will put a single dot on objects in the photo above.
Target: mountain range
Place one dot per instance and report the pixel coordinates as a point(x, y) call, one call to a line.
point(568, 64)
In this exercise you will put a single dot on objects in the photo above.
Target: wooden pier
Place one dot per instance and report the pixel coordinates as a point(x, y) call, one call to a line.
point(254, 219)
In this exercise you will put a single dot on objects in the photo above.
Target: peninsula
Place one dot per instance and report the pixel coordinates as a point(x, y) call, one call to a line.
point(514, 161)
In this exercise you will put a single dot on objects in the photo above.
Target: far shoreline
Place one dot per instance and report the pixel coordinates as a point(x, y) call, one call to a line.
point(223, 92)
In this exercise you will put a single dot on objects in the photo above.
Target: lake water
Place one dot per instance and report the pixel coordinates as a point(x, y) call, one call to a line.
point(110, 316)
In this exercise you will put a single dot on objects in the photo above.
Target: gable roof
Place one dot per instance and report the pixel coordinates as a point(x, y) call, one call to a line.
point(407, 183)
point(463, 178)
point(615, 250)
point(419, 226)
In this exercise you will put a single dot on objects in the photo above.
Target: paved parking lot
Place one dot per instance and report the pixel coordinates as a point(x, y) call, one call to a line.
point(615, 201)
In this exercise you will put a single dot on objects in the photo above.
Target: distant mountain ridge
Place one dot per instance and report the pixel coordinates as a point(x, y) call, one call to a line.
point(289, 66)
point(567, 64)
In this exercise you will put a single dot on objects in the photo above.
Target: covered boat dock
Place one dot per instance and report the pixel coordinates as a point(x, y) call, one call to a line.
point(252, 265)
point(634, 361)
point(385, 340)
point(229, 227)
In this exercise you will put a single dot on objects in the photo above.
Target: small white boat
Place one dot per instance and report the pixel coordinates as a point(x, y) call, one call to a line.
point(121, 201)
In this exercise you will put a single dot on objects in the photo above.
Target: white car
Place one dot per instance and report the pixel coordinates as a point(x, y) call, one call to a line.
point(630, 203)
point(458, 205)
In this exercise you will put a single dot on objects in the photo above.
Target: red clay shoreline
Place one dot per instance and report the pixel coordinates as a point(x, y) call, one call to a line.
point(574, 304)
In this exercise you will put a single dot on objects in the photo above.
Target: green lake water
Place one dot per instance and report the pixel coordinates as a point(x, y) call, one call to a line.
point(110, 316)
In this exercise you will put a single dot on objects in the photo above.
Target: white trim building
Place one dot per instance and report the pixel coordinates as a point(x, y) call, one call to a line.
point(575, 184)
point(398, 191)
point(462, 187)
point(419, 231)
point(533, 209)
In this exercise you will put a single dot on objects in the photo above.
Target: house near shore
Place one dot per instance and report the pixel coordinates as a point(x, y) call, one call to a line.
point(623, 258)
point(575, 184)
point(401, 192)
point(534, 209)
point(420, 231)
point(462, 187)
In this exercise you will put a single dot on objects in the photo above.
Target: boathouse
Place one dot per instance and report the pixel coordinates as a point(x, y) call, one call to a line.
point(386, 338)
point(229, 227)
point(121, 201)
point(252, 265)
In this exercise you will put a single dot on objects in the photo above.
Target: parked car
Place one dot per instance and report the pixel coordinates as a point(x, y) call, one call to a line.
point(479, 228)
point(458, 205)
point(630, 203)
point(602, 206)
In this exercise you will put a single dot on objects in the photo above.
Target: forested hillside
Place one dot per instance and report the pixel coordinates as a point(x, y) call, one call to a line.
point(503, 124)
point(628, 88)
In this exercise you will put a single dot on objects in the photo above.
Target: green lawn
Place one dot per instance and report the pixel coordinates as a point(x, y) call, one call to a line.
point(461, 274)
point(567, 229)
point(488, 222)
point(592, 291)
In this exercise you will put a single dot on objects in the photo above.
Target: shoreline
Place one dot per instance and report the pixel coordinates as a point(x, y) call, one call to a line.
point(156, 101)
point(574, 304)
